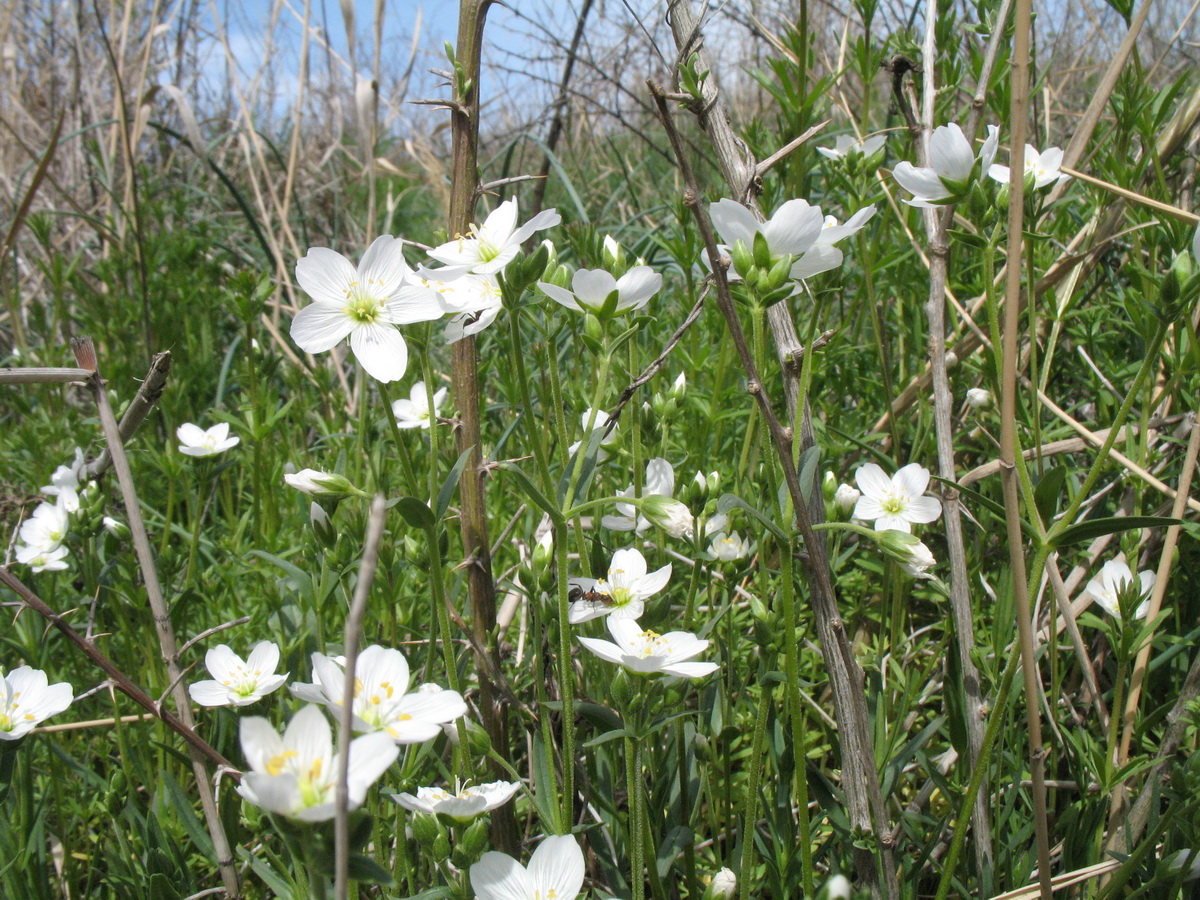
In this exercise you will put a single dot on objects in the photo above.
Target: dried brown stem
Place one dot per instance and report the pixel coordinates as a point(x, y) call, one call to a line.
point(353, 638)
point(481, 588)
point(85, 355)
point(143, 401)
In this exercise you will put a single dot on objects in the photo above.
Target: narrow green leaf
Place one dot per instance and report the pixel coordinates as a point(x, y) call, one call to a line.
point(451, 482)
point(531, 491)
point(733, 501)
point(416, 513)
point(1094, 528)
point(1047, 492)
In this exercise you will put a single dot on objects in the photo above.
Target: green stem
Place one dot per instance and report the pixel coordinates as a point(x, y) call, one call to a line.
point(540, 454)
point(637, 847)
point(791, 669)
point(758, 746)
point(566, 681)
point(412, 484)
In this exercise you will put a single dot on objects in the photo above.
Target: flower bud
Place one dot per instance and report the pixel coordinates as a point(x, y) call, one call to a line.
point(743, 260)
point(828, 485)
point(592, 327)
point(425, 829)
point(621, 690)
point(543, 551)
point(723, 886)
point(762, 251)
point(979, 398)
point(612, 256)
point(679, 388)
point(119, 530)
point(323, 485)
point(668, 514)
point(441, 847)
point(906, 549)
point(846, 496)
point(321, 526)
point(838, 887)
point(474, 841)
point(778, 275)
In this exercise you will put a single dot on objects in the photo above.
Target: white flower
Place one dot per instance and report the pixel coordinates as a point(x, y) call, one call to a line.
point(590, 288)
point(363, 304)
point(42, 560)
point(26, 698)
point(846, 145)
point(846, 496)
point(494, 244)
point(380, 702)
point(46, 529)
point(599, 422)
point(896, 502)
point(952, 164)
point(555, 872)
point(295, 774)
point(660, 481)
point(838, 887)
point(64, 483)
point(464, 804)
point(728, 547)
point(723, 885)
point(672, 516)
point(1114, 579)
point(238, 683)
point(651, 653)
point(979, 398)
point(414, 412)
point(200, 442)
point(623, 593)
point(1043, 168)
point(796, 229)
point(473, 300)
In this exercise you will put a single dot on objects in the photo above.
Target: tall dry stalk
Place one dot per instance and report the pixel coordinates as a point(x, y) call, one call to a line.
point(464, 183)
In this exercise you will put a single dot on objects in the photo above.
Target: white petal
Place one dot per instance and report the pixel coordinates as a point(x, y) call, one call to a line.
point(560, 295)
point(733, 222)
point(794, 228)
point(606, 650)
point(987, 153)
point(821, 258)
point(592, 286)
point(556, 868)
point(637, 286)
point(660, 477)
point(188, 434)
point(690, 669)
point(497, 876)
point(325, 275)
point(913, 478)
point(923, 509)
point(413, 303)
point(922, 183)
point(259, 742)
point(872, 481)
point(310, 736)
point(892, 522)
point(370, 757)
point(547, 218)
point(210, 693)
point(263, 658)
point(221, 662)
point(649, 585)
point(627, 564)
point(498, 227)
point(320, 327)
point(999, 173)
point(381, 351)
point(382, 269)
point(950, 154)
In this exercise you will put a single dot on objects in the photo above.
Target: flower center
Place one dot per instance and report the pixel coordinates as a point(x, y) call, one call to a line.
point(313, 790)
point(894, 503)
point(487, 252)
point(363, 308)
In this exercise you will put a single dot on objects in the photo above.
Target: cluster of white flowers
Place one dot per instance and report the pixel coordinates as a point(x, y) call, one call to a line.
point(894, 504)
point(659, 506)
point(43, 533)
point(367, 302)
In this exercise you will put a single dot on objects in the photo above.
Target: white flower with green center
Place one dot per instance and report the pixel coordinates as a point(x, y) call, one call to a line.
point(1042, 169)
point(47, 528)
point(895, 503)
point(591, 288)
point(201, 442)
point(728, 547)
point(651, 653)
point(473, 301)
point(623, 593)
point(27, 698)
point(41, 560)
point(380, 699)
point(555, 872)
point(659, 482)
point(237, 682)
point(494, 244)
point(363, 304)
point(1115, 579)
point(414, 412)
point(463, 803)
point(295, 774)
point(951, 167)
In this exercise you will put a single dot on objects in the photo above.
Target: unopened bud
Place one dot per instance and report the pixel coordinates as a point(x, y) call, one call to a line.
point(743, 260)
point(679, 388)
point(846, 497)
point(669, 514)
point(723, 886)
point(612, 256)
point(838, 887)
point(323, 485)
point(425, 829)
point(979, 398)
